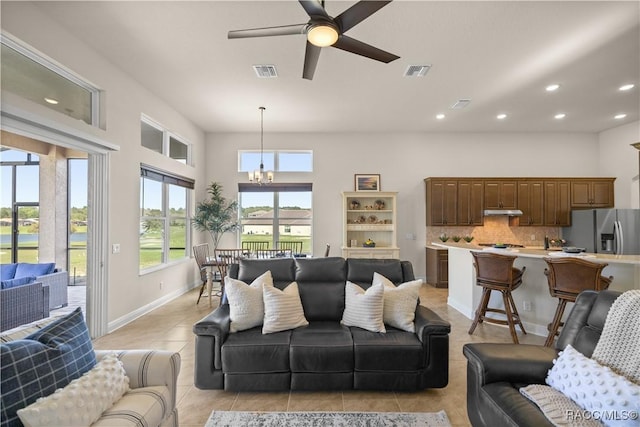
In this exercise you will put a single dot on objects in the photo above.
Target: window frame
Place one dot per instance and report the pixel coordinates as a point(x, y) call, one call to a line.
point(166, 179)
point(167, 136)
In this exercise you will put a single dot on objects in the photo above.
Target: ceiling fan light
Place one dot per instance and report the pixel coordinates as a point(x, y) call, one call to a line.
point(322, 35)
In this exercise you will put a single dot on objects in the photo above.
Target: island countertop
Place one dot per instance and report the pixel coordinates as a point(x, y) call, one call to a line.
point(532, 298)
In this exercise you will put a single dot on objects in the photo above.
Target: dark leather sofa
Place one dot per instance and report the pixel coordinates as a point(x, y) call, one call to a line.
point(495, 372)
point(324, 355)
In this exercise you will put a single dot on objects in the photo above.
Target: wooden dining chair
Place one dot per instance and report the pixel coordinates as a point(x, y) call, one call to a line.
point(201, 255)
point(252, 246)
point(224, 258)
point(273, 253)
point(294, 246)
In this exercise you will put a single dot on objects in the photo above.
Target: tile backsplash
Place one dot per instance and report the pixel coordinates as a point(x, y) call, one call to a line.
point(496, 229)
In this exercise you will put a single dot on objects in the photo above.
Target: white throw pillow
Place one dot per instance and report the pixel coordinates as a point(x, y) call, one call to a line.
point(595, 388)
point(83, 400)
point(364, 309)
point(282, 309)
point(399, 302)
point(246, 307)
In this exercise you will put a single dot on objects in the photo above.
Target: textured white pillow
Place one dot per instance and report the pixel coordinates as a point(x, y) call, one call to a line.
point(595, 388)
point(83, 400)
point(399, 302)
point(246, 307)
point(364, 309)
point(282, 309)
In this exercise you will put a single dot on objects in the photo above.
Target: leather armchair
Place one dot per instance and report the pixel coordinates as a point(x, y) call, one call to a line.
point(495, 372)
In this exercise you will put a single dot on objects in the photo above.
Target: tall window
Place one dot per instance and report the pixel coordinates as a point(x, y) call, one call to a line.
point(164, 217)
point(19, 206)
point(156, 138)
point(276, 213)
point(77, 240)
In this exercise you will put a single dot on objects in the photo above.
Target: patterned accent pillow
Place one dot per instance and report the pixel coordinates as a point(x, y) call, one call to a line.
point(83, 400)
point(400, 302)
point(595, 388)
point(42, 362)
point(364, 309)
point(246, 306)
point(282, 309)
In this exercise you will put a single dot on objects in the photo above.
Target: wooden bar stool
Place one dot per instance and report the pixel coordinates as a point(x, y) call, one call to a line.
point(567, 277)
point(495, 272)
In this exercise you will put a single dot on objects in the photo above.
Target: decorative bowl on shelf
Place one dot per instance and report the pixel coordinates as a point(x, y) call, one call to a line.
point(369, 244)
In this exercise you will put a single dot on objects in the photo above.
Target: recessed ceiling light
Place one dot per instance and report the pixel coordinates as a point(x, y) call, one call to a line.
point(627, 87)
point(440, 116)
point(619, 116)
point(552, 88)
point(560, 116)
point(501, 116)
point(51, 101)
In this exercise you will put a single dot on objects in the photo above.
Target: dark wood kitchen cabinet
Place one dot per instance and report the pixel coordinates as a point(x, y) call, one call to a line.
point(438, 267)
point(442, 201)
point(557, 207)
point(470, 202)
point(531, 202)
point(592, 193)
point(500, 194)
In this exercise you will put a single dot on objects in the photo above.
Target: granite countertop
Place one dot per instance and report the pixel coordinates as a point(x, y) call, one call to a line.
point(539, 252)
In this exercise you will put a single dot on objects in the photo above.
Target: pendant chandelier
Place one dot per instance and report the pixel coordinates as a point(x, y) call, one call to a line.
point(259, 176)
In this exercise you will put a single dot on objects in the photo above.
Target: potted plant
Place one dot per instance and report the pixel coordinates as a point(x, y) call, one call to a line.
point(216, 215)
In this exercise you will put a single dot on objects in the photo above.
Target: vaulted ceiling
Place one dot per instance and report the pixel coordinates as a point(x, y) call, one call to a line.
point(500, 55)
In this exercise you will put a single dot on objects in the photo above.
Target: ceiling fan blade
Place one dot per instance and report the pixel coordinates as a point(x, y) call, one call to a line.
point(283, 30)
point(359, 48)
point(314, 8)
point(358, 13)
point(310, 61)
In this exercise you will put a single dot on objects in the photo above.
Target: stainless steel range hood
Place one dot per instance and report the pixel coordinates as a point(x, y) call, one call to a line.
point(507, 212)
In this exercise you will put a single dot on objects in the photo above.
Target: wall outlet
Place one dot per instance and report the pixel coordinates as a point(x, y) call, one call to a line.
point(526, 305)
point(115, 248)
point(533, 237)
point(161, 285)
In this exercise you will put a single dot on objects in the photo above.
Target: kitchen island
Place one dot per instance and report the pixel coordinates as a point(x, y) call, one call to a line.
point(532, 298)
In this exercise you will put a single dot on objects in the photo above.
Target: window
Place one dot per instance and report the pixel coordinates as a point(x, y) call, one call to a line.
point(279, 161)
point(164, 217)
point(40, 80)
point(77, 240)
point(156, 138)
point(276, 213)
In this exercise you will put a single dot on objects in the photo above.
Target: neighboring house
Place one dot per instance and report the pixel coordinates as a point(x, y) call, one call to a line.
point(293, 222)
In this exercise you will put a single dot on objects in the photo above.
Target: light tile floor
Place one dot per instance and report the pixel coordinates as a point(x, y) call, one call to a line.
point(170, 327)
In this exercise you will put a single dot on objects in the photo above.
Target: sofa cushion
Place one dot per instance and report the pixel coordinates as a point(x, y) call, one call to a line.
point(246, 305)
point(396, 350)
point(321, 347)
point(27, 269)
point(8, 271)
point(251, 351)
point(282, 270)
point(145, 406)
point(321, 284)
point(83, 400)
point(400, 302)
point(18, 281)
point(55, 355)
point(364, 309)
point(282, 309)
point(360, 270)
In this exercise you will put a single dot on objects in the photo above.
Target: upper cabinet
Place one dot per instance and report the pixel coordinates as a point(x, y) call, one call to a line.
point(500, 194)
point(470, 202)
point(592, 193)
point(531, 202)
point(543, 201)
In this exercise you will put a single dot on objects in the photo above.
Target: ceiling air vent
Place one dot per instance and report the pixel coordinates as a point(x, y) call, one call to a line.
point(417, 70)
point(265, 71)
point(460, 104)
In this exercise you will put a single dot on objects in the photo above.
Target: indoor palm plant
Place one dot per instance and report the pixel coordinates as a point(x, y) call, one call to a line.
point(216, 214)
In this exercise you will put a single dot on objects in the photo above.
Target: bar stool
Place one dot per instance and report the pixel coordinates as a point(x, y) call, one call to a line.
point(495, 272)
point(567, 277)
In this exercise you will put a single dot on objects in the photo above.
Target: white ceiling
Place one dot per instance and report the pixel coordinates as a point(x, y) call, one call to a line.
point(501, 55)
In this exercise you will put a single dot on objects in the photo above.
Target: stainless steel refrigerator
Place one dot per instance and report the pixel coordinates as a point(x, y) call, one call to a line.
point(607, 231)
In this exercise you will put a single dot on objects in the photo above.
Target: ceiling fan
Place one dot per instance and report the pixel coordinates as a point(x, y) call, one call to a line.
point(323, 30)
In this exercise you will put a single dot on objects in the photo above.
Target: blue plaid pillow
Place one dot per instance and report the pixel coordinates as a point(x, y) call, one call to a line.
point(43, 362)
